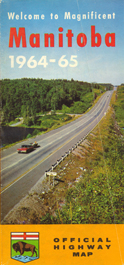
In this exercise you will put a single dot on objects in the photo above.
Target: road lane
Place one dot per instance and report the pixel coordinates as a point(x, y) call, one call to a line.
point(19, 178)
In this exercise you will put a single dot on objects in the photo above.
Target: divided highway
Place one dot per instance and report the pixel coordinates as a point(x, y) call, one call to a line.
point(20, 172)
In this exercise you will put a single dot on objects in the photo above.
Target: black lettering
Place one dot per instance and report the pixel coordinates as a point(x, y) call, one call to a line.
point(107, 240)
point(56, 239)
point(75, 254)
point(86, 239)
point(72, 239)
point(56, 247)
point(83, 254)
point(100, 247)
point(71, 247)
point(90, 246)
point(100, 240)
point(80, 246)
point(108, 246)
point(64, 239)
point(89, 254)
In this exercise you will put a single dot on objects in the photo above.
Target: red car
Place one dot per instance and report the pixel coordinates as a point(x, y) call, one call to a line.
point(25, 148)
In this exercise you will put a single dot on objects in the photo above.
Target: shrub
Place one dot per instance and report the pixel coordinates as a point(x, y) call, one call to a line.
point(35, 132)
point(28, 136)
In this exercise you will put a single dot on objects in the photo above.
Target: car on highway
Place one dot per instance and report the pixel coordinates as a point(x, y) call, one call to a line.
point(25, 148)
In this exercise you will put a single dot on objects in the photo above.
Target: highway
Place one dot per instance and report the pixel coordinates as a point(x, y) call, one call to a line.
point(20, 172)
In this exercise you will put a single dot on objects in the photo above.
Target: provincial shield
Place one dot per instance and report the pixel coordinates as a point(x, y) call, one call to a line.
point(25, 246)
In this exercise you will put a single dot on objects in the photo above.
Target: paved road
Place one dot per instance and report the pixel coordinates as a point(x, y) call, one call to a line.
point(20, 172)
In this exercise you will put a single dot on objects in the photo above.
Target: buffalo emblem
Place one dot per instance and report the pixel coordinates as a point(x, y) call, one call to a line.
point(22, 247)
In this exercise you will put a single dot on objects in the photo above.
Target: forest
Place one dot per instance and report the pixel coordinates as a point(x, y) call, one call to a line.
point(28, 97)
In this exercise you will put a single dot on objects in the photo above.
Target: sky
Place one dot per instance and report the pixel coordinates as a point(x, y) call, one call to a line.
point(81, 61)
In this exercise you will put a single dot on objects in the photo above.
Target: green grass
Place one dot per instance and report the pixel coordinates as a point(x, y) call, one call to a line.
point(119, 106)
point(13, 122)
point(47, 122)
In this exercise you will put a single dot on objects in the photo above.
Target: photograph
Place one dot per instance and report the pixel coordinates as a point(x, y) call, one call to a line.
point(62, 132)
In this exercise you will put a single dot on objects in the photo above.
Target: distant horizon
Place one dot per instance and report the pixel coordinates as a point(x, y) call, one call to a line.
point(63, 79)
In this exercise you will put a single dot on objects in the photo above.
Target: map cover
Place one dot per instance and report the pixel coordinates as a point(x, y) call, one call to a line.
point(62, 132)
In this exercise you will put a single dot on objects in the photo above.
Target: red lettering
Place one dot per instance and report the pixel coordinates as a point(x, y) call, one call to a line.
point(110, 39)
point(69, 35)
point(46, 40)
point(82, 37)
point(60, 37)
point(37, 40)
point(94, 36)
point(21, 35)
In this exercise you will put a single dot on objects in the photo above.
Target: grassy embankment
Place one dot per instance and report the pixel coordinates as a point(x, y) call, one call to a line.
point(97, 195)
point(119, 107)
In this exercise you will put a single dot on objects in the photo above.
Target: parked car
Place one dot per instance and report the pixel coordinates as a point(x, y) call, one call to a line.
point(25, 148)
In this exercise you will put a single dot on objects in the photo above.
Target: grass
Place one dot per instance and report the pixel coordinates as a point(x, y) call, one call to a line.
point(53, 121)
point(119, 106)
point(13, 122)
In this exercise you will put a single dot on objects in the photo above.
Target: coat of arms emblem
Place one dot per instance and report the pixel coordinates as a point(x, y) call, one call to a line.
point(25, 246)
